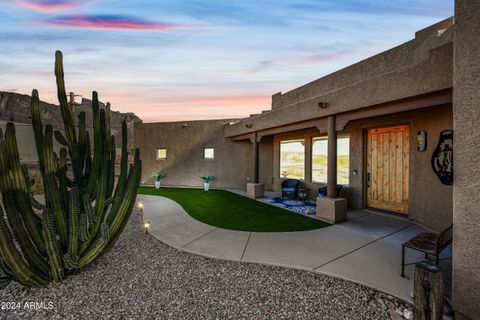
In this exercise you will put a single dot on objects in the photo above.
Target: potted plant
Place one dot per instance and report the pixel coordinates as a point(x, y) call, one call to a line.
point(158, 178)
point(206, 182)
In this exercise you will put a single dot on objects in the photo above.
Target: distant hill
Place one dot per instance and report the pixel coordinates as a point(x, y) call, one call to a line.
point(16, 107)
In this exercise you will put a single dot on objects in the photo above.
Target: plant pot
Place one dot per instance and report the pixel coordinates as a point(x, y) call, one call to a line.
point(158, 184)
point(206, 186)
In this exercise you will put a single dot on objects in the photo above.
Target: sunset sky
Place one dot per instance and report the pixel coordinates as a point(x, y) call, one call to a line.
point(199, 59)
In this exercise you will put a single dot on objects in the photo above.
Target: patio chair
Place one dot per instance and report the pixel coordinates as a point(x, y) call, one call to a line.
point(323, 191)
point(432, 244)
point(290, 188)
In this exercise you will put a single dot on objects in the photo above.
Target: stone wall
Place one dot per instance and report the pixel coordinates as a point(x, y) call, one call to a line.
point(16, 107)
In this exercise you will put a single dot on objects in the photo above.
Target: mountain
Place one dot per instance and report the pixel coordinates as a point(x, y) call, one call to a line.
point(16, 107)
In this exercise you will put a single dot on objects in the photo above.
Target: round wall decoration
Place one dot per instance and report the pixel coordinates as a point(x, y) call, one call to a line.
point(442, 158)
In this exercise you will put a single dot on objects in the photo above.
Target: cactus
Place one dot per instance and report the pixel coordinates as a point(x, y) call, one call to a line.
point(83, 213)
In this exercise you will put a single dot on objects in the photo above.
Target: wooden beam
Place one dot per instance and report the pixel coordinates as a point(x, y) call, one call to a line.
point(246, 136)
point(293, 127)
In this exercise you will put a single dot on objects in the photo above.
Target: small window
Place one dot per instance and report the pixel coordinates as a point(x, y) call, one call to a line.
point(208, 153)
point(161, 154)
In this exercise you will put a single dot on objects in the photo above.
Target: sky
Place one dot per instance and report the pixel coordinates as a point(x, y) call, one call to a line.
point(176, 60)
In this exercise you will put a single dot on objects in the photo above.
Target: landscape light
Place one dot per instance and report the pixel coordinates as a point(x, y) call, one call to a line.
point(146, 225)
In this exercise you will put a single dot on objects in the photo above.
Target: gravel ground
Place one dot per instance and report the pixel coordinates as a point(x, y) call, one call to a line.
point(142, 278)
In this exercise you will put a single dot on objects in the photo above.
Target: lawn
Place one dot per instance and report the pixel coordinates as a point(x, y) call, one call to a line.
point(227, 210)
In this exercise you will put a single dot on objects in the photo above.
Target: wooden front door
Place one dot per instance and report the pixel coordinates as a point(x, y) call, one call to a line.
point(387, 169)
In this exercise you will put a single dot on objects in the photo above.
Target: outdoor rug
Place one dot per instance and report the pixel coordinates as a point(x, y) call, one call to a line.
point(307, 208)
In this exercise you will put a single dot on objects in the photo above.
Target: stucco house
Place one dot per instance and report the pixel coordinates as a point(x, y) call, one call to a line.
point(375, 109)
point(392, 129)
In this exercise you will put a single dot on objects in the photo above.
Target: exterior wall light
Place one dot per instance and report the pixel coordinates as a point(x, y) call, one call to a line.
point(184, 125)
point(146, 225)
point(323, 105)
point(422, 140)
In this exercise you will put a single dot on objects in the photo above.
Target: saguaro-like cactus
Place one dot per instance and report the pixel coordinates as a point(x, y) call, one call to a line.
point(82, 212)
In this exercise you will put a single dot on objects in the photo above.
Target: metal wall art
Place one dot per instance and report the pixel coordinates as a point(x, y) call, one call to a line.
point(442, 158)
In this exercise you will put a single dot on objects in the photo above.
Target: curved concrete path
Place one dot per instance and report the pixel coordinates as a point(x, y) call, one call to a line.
point(366, 249)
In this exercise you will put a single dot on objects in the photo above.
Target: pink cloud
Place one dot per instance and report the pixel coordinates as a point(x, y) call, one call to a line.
point(111, 22)
point(47, 6)
point(334, 56)
point(323, 58)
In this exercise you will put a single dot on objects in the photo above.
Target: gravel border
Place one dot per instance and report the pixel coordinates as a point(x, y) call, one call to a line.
point(143, 278)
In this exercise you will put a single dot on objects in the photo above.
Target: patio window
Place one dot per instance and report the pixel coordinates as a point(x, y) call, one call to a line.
point(320, 159)
point(161, 154)
point(292, 159)
point(208, 153)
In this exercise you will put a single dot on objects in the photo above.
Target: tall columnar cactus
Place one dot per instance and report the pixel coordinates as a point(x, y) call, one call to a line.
point(82, 212)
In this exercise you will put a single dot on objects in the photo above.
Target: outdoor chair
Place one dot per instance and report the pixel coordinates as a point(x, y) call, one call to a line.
point(432, 244)
point(323, 191)
point(290, 188)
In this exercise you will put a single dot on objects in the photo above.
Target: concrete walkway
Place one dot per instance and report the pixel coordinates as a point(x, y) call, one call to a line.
point(366, 249)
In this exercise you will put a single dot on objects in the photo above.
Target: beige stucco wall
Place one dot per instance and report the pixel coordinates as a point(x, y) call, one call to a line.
point(185, 164)
point(430, 201)
point(466, 194)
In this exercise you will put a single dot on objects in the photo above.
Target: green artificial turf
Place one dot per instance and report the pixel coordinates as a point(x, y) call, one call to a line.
point(227, 210)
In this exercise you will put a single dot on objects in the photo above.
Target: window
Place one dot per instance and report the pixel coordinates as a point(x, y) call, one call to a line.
point(161, 154)
point(343, 159)
point(320, 159)
point(292, 159)
point(208, 153)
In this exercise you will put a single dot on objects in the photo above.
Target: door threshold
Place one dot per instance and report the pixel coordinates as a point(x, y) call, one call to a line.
point(396, 215)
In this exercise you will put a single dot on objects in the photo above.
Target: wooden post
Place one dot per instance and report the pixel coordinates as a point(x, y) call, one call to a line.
point(332, 158)
point(428, 292)
point(256, 159)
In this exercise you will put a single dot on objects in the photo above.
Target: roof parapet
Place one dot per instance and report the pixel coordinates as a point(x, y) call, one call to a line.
point(436, 29)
